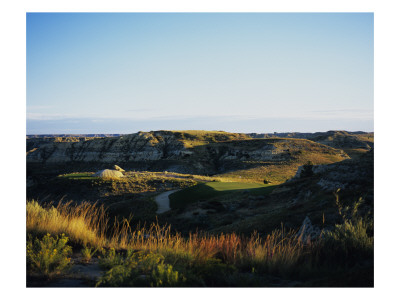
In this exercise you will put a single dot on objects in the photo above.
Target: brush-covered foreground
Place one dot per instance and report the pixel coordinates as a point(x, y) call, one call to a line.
point(238, 218)
point(156, 257)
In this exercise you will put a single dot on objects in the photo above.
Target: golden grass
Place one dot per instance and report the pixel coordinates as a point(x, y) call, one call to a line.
point(195, 138)
point(366, 137)
point(355, 153)
point(278, 172)
point(275, 173)
point(87, 224)
point(84, 224)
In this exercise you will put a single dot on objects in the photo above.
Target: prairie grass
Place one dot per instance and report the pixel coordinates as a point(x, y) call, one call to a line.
point(84, 224)
point(87, 225)
point(199, 259)
point(278, 172)
point(195, 138)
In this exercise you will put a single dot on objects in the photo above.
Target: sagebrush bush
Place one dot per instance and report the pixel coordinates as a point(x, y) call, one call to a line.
point(139, 269)
point(48, 256)
point(110, 258)
point(347, 243)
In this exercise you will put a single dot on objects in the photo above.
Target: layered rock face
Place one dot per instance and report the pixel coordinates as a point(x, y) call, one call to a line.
point(134, 147)
point(176, 151)
point(33, 141)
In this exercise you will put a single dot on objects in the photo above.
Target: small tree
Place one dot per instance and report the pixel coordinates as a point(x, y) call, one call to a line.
point(307, 170)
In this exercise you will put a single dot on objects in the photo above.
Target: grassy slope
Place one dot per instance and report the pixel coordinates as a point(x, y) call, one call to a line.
point(311, 200)
point(301, 151)
point(355, 153)
point(279, 171)
point(289, 203)
point(211, 190)
point(133, 194)
point(366, 137)
point(194, 138)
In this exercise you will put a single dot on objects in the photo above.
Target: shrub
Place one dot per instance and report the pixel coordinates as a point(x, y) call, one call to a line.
point(164, 275)
point(48, 256)
point(351, 241)
point(141, 269)
point(347, 243)
point(110, 259)
point(213, 272)
point(307, 170)
point(87, 254)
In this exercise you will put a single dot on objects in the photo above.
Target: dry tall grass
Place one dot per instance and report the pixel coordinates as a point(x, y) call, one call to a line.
point(87, 224)
point(84, 224)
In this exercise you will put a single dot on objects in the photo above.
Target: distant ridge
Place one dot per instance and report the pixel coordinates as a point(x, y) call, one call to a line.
point(31, 136)
point(339, 139)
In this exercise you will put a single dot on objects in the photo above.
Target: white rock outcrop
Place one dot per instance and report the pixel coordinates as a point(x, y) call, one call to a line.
point(107, 173)
point(118, 168)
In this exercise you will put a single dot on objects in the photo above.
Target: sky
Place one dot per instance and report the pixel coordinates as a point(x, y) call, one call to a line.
point(237, 72)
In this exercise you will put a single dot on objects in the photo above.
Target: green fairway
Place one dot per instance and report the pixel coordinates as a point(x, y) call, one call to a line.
point(229, 186)
point(210, 190)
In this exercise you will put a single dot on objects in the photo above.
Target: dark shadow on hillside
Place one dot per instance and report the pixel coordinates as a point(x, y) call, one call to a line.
point(204, 192)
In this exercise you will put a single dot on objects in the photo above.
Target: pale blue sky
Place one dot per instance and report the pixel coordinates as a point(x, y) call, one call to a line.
point(255, 72)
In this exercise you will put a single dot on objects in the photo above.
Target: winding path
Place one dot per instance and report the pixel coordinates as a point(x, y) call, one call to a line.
point(162, 201)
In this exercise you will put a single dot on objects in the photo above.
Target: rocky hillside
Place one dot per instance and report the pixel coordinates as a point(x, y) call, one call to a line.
point(33, 142)
point(141, 146)
point(345, 140)
point(201, 152)
point(289, 204)
point(333, 138)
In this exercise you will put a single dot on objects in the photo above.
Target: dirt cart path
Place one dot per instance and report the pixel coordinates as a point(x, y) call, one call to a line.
point(162, 201)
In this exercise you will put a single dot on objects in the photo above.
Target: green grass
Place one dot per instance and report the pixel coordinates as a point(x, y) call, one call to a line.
point(229, 186)
point(214, 189)
point(82, 175)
